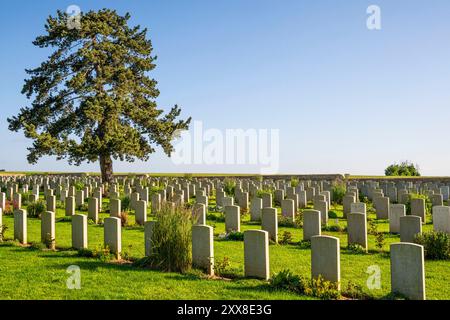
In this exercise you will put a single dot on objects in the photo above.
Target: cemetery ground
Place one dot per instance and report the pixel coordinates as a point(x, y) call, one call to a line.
point(33, 272)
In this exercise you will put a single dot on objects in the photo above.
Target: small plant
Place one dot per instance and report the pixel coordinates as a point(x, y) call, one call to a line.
point(36, 209)
point(221, 267)
point(235, 236)
point(124, 219)
point(305, 244)
point(8, 210)
point(216, 216)
point(436, 245)
point(354, 291)
point(318, 287)
point(379, 240)
point(334, 228)
point(288, 223)
point(83, 207)
point(286, 238)
point(49, 242)
point(101, 253)
point(356, 248)
point(372, 227)
point(3, 228)
point(294, 182)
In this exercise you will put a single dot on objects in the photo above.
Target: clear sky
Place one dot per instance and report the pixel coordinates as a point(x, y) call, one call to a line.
point(346, 99)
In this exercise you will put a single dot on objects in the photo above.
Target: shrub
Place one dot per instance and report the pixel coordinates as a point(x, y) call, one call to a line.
point(79, 185)
point(320, 288)
point(171, 240)
point(436, 245)
point(338, 192)
point(294, 182)
point(286, 238)
point(125, 203)
point(334, 228)
point(235, 236)
point(216, 216)
point(37, 208)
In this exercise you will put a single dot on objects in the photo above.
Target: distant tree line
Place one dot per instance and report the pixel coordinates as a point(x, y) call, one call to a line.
point(404, 169)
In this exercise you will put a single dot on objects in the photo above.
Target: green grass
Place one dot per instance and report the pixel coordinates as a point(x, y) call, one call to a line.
point(40, 274)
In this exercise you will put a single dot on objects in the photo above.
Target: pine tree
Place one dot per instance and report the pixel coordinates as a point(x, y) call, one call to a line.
point(92, 99)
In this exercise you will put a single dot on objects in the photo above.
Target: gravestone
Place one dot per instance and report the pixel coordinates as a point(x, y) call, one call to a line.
point(79, 232)
point(358, 207)
point(437, 200)
point(255, 209)
point(20, 226)
point(51, 203)
point(382, 207)
point(256, 254)
point(203, 247)
point(267, 200)
point(302, 200)
point(199, 213)
point(322, 206)
point(93, 209)
point(70, 206)
point(357, 229)
point(141, 212)
point(408, 270)
point(232, 219)
point(347, 201)
point(156, 203)
point(269, 223)
point(48, 229)
point(287, 209)
point(441, 219)
point(311, 224)
point(325, 259)
point(115, 208)
point(410, 226)
point(418, 208)
point(113, 235)
point(396, 212)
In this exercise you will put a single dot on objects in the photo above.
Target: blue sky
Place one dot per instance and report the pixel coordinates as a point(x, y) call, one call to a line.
point(345, 99)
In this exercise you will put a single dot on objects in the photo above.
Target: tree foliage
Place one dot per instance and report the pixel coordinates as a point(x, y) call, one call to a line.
point(92, 99)
point(405, 168)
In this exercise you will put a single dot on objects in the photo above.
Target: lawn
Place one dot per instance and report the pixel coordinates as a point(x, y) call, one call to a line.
point(34, 273)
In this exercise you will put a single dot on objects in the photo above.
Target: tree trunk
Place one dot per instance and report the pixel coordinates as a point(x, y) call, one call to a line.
point(106, 167)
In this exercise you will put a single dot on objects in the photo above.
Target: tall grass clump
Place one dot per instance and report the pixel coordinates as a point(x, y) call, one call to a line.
point(229, 186)
point(36, 209)
point(338, 193)
point(171, 240)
